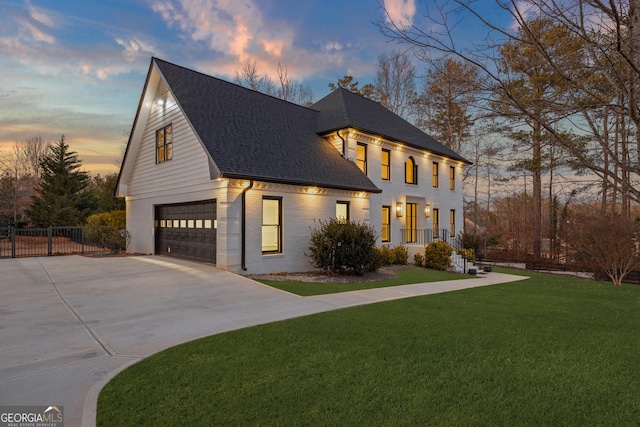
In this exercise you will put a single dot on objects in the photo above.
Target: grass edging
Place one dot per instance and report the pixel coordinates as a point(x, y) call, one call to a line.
point(551, 350)
point(406, 276)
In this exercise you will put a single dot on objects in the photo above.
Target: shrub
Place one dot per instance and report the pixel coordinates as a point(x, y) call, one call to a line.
point(385, 255)
point(108, 230)
point(400, 255)
point(437, 255)
point(418, 260)
point(343, 246)
point(469, 254)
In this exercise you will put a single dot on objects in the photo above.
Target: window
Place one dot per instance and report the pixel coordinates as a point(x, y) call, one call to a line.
point(436, 221)
point(386, 164)
point(452, 178)
point(342, 211)
point(271, 225)
point(361, 157)
point(411, 171)
point(452, 222)
point(435, 179)
point(386, 222)
point(164, 144)
point(412, 222)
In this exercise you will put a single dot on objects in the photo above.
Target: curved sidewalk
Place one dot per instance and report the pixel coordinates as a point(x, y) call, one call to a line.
point(69, 324)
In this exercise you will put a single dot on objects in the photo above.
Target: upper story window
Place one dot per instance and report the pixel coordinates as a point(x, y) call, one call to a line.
point(386, 164)
point(411, 171)
point(435, 180)
point(164, 144)
point(361, 157)
point(452, 178)
point(342, 211)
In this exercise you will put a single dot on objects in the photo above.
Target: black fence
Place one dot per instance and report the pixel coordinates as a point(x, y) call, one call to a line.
point(35, 242)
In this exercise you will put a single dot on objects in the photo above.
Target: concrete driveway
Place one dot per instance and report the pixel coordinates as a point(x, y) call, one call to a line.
point(68, 324)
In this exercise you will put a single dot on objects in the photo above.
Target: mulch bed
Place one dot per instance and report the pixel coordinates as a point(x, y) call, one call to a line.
point(384, 273)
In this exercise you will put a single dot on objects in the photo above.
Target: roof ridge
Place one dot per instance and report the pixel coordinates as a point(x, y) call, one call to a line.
point(154, 58)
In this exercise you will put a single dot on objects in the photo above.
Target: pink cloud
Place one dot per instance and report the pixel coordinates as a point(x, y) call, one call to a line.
point(400, 12)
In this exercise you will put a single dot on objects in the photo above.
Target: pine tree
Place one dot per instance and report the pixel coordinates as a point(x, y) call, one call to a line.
point(63, 198)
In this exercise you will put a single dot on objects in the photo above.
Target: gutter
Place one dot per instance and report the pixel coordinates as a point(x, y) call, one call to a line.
point(244, 226)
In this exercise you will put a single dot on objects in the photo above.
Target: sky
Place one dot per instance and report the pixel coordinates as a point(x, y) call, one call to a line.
point(77, 67)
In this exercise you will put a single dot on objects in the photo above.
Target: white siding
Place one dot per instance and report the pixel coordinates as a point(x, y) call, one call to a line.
point(299, 211)
point(396, 190)
point(184, 178)
point(189, 165)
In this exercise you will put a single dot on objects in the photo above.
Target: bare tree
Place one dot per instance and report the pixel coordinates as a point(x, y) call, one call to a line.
point(604, 61)
point(395, 82)
point(249, 76)
point(285, 88)
point(292, 91)
point(611, 245)
point(20, 169)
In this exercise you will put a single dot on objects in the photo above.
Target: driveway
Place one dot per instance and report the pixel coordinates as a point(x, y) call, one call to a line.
point(68, 324)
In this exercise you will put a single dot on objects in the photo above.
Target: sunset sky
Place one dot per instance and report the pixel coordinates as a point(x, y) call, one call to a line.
point(77, 67)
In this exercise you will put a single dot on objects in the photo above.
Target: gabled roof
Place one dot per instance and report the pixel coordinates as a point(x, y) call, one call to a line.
point(342, 109)
point(250, 135)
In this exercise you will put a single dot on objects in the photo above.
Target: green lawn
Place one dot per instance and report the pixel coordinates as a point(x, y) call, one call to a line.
point(548, 351)
point(405, 277)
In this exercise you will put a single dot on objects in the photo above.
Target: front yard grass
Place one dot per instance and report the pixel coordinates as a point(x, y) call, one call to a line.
point(548, 351)
point(405, 277)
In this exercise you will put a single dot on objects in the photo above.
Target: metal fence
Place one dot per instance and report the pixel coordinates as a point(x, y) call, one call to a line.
point(51, 241)
point(423, 237)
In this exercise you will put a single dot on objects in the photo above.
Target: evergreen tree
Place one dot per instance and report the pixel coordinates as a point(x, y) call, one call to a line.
point(63, 198)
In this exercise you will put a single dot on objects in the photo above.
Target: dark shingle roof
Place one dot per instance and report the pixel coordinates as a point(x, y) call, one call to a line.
point(255, 136)
point(342, 108)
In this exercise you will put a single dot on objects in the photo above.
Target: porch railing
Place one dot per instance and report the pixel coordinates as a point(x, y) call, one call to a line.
point(424, 237)
point(50, 241)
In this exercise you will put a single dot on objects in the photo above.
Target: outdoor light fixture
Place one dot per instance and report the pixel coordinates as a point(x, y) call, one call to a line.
point(399, 209)
point(313, 190)
point(427, 210)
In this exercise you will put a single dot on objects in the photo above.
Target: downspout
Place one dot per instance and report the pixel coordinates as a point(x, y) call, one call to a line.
point(244, 226)
point(344, 144)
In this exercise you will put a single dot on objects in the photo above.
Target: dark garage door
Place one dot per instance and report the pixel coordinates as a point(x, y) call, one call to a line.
point(187, 230)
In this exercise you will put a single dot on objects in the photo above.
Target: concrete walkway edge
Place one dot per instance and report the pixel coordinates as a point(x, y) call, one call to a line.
point(335, 301)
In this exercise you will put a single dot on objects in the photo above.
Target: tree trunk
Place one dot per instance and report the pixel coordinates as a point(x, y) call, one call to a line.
point(537, 191)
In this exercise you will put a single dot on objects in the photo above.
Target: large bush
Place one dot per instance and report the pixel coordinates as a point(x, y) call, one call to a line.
point(343, 246)
point(437, 255)
point(108, 230)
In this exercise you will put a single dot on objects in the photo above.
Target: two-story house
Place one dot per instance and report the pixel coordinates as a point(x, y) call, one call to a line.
point(220, 173)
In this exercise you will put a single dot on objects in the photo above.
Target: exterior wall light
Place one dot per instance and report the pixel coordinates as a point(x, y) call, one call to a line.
point(399, 209)
point(313, 190)
point(427, 210)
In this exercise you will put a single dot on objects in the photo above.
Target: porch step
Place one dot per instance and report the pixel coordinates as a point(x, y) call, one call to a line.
point(459, 265)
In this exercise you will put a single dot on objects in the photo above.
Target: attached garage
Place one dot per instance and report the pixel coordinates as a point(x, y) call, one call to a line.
point(187, 230)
